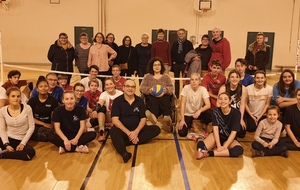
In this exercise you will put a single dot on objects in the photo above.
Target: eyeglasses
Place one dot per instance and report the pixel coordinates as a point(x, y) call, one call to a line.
point(128, 86)
point(156, 65)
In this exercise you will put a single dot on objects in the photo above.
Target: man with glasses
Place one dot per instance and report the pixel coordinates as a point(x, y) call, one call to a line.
point(179, 49)
point(128, 116)
point(54, 90)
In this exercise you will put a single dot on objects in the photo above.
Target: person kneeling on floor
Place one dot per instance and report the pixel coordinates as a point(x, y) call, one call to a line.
point(128, 117)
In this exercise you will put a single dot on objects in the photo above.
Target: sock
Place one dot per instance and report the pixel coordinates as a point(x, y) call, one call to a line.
point(211, 153)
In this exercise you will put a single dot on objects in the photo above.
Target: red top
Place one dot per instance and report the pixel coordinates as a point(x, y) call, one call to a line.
point(92, 98)
point(8, 84)
point(221, 51)
point(162, 49)
point(213, 85)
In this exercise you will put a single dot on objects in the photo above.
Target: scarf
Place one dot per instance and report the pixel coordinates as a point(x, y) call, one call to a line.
point(180, 42)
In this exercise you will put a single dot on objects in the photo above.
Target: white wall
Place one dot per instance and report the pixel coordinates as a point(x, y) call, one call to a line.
point(31, 26)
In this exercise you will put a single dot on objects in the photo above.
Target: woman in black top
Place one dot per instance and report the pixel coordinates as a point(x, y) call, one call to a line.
point(42, 107)
point(127, 55)
point(226, 123)
point(69, 123)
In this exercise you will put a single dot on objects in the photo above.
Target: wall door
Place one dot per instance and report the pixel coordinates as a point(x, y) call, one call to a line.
point(86, 29)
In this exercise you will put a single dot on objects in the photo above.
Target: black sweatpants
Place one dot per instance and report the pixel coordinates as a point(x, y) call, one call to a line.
point(276, 150)
point(204, 117)
point(26, 154)
point(159, 106)
point(84, 139)
point(120, 139)
point(287, 141)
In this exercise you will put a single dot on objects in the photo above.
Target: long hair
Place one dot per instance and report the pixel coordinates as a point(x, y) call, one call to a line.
point(239, 88)
point(281, 87)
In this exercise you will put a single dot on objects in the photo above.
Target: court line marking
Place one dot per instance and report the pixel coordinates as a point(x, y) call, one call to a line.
point(132, 167)
point(91, 170)
point(182, 166)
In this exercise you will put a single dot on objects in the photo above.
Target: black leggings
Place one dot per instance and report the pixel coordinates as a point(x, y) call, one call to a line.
point(159, 106)
point(26, 154)
point(84, 139)
point(287, 141)
point(120, 139)
point(250, 124)
point(204, 117)
point(276, 150)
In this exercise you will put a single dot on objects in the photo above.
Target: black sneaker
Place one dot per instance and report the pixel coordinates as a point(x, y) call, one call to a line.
point(126, 156)
point(285, 154)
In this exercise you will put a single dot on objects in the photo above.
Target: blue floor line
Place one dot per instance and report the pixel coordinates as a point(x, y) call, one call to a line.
point(182, 166)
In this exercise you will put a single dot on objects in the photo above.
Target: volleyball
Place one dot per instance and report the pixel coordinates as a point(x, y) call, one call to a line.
point(158, 91)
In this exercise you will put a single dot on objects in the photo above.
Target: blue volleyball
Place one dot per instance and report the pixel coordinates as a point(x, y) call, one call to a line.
point(158, 91)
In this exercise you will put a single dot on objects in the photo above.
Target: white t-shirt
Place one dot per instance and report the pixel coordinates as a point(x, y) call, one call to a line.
point(108, 99)
point(2, 93)
point(85, 82)
point(257, 98)
point(194, 99)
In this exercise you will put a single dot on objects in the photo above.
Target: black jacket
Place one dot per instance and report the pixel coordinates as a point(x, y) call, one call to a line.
point(261, 57)
point(179, 57)
point(62, 60)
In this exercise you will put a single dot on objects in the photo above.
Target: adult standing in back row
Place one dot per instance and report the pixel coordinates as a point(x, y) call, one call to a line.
point(61, 54)
point(179, 49)
point(220, 49)
point(162, 49)
point(101, 55)
point(258, 55)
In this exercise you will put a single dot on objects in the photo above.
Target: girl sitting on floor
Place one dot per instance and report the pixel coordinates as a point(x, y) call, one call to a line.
point(267, 135)
point(226, 123)
point(69, 123)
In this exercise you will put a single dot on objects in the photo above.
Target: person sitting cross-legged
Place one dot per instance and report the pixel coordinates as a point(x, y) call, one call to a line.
point(128, 116)
point(226, 123)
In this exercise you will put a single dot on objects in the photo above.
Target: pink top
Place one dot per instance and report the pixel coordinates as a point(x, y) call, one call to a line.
point(99, 56)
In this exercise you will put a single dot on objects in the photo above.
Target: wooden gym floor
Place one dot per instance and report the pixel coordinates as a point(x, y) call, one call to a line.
point(167, 162)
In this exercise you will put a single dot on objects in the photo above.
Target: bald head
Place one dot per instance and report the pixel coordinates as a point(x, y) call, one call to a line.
point(216, 32)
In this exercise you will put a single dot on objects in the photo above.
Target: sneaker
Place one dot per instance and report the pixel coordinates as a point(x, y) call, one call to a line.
point(285, 154)
point(151, 117)
point(201, 154)
point(101, 136)
point(90, 129)
point(82, 149)
point(126, 156)
point(257, 153)
point(195, 137)
point(61, 150)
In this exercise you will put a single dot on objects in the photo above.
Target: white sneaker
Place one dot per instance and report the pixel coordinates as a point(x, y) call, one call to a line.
point(61, 150)
point(82, 149)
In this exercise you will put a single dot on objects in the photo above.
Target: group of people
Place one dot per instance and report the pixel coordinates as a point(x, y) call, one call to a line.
point(67, 115)
point(179, 57)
